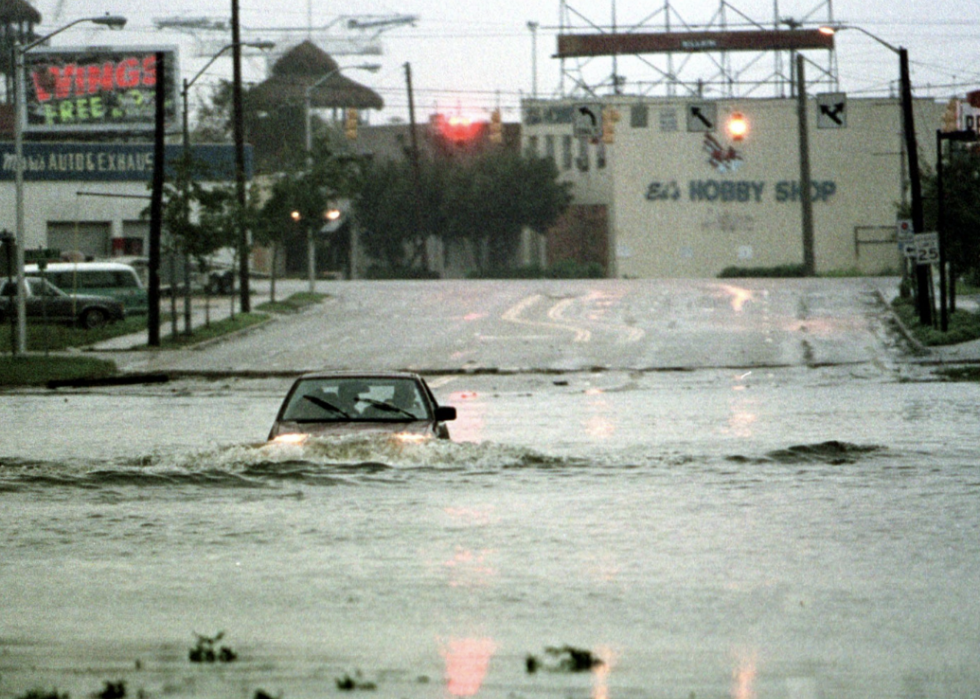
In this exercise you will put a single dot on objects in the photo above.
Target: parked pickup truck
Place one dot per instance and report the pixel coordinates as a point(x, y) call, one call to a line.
point(47, 303)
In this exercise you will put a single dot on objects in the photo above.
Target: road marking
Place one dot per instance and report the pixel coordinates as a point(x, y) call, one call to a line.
point(625, 334)
point(513, 315)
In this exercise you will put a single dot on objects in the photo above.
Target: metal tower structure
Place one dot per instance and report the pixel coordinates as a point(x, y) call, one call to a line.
point(346, 35)
point(666, 55)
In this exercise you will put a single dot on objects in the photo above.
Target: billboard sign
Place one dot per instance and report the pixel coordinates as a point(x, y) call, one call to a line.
point(582, 45)
point(116, 162)
point(97, 88)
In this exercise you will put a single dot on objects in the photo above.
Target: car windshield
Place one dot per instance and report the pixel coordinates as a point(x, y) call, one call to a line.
point(367, 399)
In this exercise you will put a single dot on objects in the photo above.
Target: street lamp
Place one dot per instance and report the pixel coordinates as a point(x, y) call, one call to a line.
point(533, 27)
point(185, 134)
point(922, 276)
point(20, 115)
point(308, 133)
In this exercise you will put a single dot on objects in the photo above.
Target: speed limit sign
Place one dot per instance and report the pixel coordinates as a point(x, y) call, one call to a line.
point(926, 248)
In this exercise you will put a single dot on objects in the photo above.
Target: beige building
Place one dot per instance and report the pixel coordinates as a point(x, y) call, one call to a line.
point(684, 199)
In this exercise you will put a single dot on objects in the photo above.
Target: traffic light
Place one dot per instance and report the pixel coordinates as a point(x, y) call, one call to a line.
point(350, 124)
point(496, 127)
point(738, 126)
point(457, 133)
point(610, 115)
point(951, 117)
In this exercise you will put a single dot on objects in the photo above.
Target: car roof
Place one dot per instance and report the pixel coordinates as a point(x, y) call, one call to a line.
point(360, 375)
point(81, 267)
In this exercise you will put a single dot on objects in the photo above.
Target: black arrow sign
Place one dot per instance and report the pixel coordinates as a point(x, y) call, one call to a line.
point(585, 111)
point(834, 113)
point(696, 113)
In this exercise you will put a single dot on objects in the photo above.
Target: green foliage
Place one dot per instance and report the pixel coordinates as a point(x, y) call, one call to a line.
point(961, 209)
point(216, 329)
point(485, 200)
point(35, 370)
point(398, 272)
point(301, 194)
point(785, 271)
point(566, 269)
point(394, 213)
point(964, 326)
point(295, 303)
point(54, 337)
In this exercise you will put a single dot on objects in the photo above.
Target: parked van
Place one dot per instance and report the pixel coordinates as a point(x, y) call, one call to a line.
point(112, 279)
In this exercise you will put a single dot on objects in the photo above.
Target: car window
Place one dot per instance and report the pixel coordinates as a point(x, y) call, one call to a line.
point(356, 399)
point(40, 287)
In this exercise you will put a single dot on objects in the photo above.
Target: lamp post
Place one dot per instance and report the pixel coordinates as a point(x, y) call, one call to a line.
point(533, 27)
point(20, 117)
point(186, 147)
point(922, 275)
point(308, 149)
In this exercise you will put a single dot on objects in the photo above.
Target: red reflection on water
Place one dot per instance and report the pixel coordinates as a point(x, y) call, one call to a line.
point(743, 679)
point(600, 673)
point(467, 662)
point(739, 296)
point(470, 569)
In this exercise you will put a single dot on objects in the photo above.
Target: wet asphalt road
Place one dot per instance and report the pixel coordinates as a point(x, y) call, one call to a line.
point(559, 326)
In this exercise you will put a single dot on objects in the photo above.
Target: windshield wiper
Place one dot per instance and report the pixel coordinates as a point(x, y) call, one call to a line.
point(326, 405)
point(382, 405)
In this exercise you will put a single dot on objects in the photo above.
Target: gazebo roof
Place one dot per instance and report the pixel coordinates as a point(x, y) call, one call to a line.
point(301, 67)
point(14, 11)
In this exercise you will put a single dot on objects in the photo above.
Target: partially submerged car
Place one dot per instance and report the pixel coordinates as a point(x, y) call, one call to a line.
point(340, 403)
point(45, 302)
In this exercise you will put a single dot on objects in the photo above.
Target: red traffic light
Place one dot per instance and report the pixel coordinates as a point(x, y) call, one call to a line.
point(458, 129)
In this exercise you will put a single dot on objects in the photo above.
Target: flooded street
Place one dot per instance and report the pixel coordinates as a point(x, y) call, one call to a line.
point(802, 523)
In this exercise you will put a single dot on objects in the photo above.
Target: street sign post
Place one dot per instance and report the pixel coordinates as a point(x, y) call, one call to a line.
point(587, 121)
point(904, 235)
point(927, 248)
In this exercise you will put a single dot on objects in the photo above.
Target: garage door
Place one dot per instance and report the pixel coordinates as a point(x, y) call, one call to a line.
point(91, 238)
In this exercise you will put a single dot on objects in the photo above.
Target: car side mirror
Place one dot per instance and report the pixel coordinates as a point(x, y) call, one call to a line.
point(445, 413)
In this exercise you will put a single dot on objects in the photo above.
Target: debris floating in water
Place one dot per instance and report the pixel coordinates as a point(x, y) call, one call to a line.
point(204, 651)
point(564, 659)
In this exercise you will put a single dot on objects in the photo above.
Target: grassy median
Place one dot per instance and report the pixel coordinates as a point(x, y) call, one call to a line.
point(40, 367)
point(38, 370)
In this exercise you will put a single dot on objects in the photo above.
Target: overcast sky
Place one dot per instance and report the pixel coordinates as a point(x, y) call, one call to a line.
point(469, 56)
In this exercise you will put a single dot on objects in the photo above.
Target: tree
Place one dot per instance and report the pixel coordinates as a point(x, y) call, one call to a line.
point(961, 209)
point(199, 219)
point(387, 209)
point(302, 193)
point(486, 200)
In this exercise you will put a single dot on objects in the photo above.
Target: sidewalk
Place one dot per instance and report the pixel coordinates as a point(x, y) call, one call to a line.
point(220, 309)
point(962, 353)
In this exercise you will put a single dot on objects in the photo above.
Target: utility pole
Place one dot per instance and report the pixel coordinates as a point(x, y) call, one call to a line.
point(806, 193)
point(156, 207)
point(239, 128)
point(416, 166)
point(923, 275)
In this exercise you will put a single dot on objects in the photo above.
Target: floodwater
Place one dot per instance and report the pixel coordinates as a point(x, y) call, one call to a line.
point(801, 532)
